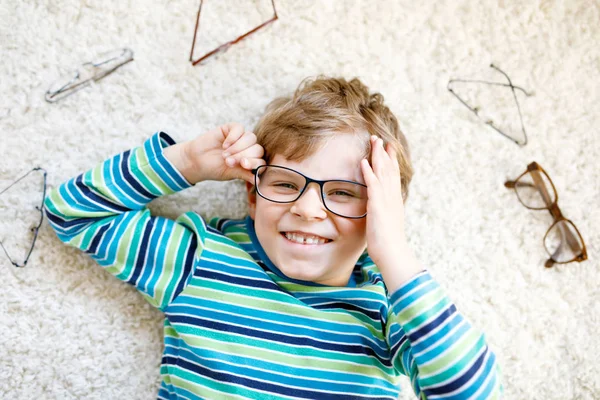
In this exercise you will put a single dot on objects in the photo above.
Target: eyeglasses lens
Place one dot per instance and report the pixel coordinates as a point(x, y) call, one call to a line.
point(535, 190)
point(562, 242)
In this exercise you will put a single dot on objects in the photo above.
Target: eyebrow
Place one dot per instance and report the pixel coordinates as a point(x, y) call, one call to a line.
point(330, 179)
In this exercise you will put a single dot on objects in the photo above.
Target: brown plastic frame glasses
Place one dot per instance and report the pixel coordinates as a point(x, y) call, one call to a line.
point(567, 235)
point(225, 46)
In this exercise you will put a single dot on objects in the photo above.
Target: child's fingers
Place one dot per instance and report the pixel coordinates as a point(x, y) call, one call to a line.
point(368, 174)
point(376, 156)
point(232, 132)
point(248, 164)
point(246, 141)
point(254, 151)
point(251, 163)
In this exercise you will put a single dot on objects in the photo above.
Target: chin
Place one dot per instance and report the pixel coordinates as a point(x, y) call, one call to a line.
point(299, 272)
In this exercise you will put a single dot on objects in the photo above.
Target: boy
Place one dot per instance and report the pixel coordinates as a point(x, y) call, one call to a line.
point(286, 303)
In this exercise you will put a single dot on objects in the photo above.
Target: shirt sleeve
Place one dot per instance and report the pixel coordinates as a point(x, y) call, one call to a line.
point(436, 347)
point(103, 212)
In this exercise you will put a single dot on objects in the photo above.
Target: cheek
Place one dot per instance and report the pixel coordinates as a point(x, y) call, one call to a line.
point(268, 214)
point(354, 231)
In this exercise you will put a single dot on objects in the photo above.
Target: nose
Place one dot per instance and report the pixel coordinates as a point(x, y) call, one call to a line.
point(310, 205)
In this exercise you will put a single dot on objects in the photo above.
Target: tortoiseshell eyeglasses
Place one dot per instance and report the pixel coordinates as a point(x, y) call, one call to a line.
point(535, 190)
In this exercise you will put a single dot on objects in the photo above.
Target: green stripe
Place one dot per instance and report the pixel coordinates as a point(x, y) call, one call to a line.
point(268, 351)
point(169, 270)
point(451, 358)
point(418, 309)
point(139, 173)
point(183, 378)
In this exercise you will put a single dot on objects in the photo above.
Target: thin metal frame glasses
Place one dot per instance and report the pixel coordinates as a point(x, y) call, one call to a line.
point(225, 46)
point(307, 182)
point(489, 122)
point(102, 66)
point(36, 228)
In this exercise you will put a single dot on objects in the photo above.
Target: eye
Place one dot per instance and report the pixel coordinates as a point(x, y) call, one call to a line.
point(341, 193)
point(286, 185)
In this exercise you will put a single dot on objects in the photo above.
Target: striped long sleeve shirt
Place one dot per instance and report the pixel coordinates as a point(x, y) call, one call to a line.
point(236, 328)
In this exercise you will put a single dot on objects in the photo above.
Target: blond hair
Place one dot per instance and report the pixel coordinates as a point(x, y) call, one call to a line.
point(296, 127)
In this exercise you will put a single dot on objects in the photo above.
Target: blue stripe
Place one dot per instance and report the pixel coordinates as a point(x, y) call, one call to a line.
point(152, 259)
point(417, 280)
point(462, 380)
point(374, 315)
point(274, 337)
point(116, 185)
point(441, 346)
point(447, 313)
point(268, 387)
point(98, 235)
point(176, 347)
point(59, 222)
point(160, 258)
point(254, 283)
point(162, 166)
point(427, 288)
point(273, 325)
point(282, 318)
point(133, 182)
point(87, 196)
point(107, 251)
point(288, 374)
point(188, 264)
point(142, 251)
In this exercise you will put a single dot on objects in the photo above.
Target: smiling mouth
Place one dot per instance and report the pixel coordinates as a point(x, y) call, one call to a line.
point(304, 240)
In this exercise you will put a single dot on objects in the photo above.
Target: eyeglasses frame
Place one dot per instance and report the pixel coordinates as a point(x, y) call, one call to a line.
point(75, 85)
point(308, 182)
point(225, 46)
point(475, 110)
point(554, 210)
point(36, 228)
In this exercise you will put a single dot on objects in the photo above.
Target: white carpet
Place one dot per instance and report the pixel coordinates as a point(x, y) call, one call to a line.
point(71, 331)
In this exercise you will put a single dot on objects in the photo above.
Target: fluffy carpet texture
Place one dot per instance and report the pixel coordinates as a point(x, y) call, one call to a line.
point(71, 331)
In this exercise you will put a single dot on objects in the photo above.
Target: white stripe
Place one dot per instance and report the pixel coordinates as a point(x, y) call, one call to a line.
point(273, 321)
point(269, 371)
point(442, 338)
point(343, 363)
point(118, 189)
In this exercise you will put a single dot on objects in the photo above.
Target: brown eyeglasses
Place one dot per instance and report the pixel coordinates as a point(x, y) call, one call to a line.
point(225, 46)
point(535, 190)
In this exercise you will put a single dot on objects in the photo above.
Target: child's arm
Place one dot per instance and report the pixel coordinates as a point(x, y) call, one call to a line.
point(432, 343)
point(429, 340)
point(103, 211)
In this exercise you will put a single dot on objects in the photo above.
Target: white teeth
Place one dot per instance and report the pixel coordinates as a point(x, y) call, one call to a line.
point(302, 239)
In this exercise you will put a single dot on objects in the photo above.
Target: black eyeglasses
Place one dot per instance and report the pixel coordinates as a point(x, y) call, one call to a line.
point(284, 185)
point(40, 219)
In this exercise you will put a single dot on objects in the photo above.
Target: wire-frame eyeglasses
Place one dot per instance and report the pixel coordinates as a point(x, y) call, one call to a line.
point(36, 228)
point(225, 46)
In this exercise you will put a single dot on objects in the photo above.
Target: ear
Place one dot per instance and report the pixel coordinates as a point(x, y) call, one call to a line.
point(251, 199)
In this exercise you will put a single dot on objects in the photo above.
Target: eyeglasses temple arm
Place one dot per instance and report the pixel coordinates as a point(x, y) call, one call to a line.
point(541, 187)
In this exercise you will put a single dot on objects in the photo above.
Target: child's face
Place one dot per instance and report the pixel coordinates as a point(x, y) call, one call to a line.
point(330, 263)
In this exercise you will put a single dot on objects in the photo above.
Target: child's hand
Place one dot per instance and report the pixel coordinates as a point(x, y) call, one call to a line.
point(386, 240)
point(224, 153)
